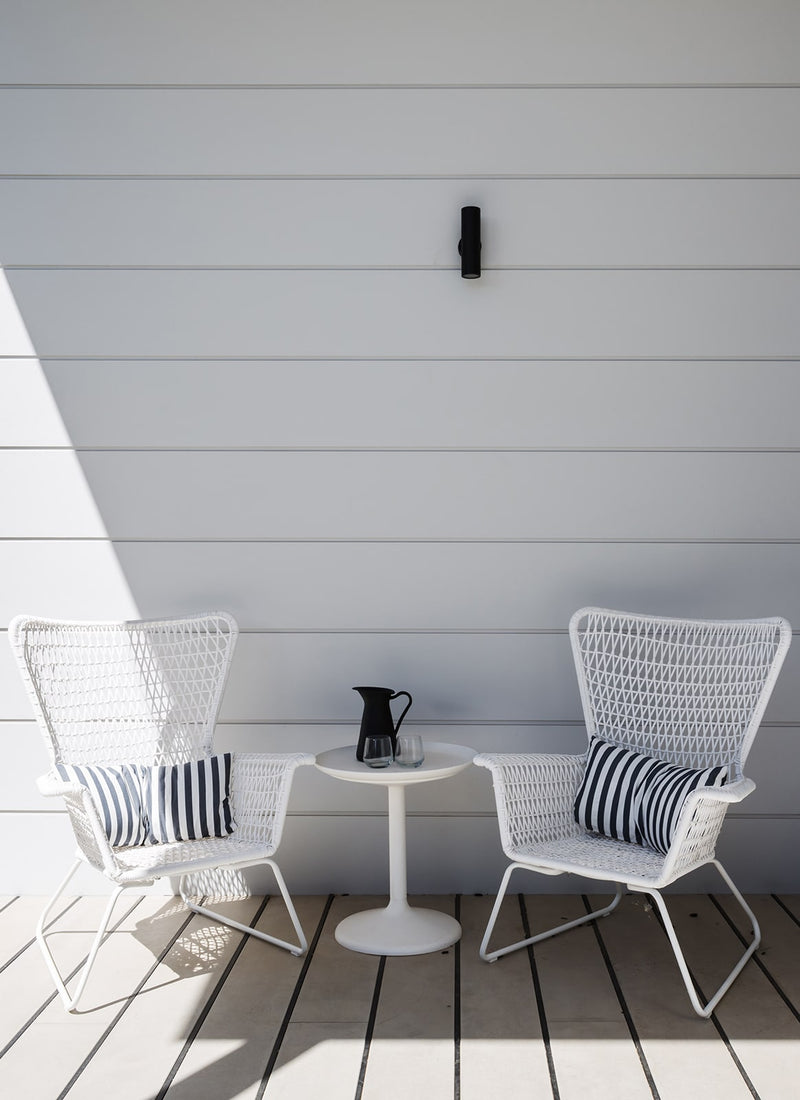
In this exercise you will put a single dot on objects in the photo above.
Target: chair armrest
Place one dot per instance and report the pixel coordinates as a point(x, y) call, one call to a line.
point(51, 785)
point(699, 824)
point(534, 793)
point(84, 818)
point(730, 792)
point(260, 786)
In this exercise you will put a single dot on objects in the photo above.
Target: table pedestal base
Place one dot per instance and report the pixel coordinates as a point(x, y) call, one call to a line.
point(398, 930)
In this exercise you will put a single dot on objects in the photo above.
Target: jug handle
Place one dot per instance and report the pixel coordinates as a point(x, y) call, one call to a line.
point(397, 695)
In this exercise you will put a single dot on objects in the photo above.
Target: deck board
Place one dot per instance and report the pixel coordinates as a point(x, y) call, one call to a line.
point(180, 1008)
point(411, 1053)
point(325, 1037)
point(590, 1039)
point(140, 1051)
point(501, 1034)
point(662, 1015)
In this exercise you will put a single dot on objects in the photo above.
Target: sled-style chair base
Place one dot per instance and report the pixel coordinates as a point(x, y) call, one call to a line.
point(704, 1010)
point(70, 1000)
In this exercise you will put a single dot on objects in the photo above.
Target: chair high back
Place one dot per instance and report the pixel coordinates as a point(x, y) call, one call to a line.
point(143, 692)
point(690, 692)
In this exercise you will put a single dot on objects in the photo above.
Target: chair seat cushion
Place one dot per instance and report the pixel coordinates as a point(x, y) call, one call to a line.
point(627, 796)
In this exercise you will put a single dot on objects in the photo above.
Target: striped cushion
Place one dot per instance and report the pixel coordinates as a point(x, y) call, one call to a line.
point(117, 795)
point(189, 801)
point(663, 794)
point(631, 797)
point(607, 799)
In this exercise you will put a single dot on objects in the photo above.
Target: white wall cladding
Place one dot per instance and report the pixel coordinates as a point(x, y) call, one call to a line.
point(248, 374)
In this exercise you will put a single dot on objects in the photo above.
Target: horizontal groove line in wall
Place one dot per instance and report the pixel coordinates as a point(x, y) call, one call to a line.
point(443, 268)
point(435, 86)
point(398, 541)
point(426, 631)
point(300, 722)
point(326, 631)
point(424, 814)
point(488, 723)
point(548, 631)
point(422, 450)
point(399, 177)
point(545, 631)
point(493, 814)
point(51, 357)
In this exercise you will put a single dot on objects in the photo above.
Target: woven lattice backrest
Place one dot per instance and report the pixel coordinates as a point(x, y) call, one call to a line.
point(139, 692)
point(691, 692)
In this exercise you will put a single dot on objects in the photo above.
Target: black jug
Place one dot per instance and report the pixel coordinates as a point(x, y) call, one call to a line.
point(377, 716)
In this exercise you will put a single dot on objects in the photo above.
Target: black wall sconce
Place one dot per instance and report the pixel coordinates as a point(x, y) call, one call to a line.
point(469, 247)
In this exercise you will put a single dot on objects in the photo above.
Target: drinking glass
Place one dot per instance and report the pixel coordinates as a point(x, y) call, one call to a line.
point(409, 750)
point(378, 751)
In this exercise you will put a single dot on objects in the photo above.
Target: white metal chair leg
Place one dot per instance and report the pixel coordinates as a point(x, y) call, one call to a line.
point(71, 1001)
point(701, 1009)
point(297, 949)
point(491, 956)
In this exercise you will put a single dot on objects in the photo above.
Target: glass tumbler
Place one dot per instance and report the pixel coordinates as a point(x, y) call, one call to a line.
point(409, 750)
point(378, 751)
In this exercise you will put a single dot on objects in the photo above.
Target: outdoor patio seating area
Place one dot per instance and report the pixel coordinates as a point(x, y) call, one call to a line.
point(185, 1008)
point(399, 457)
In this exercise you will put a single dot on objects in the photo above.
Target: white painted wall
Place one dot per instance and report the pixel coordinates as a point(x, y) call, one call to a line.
point(240, 370)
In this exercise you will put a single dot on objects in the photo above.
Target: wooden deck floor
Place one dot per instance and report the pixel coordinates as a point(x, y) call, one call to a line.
point(182, 1008)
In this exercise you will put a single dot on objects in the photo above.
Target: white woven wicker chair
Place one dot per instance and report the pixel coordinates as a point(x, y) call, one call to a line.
point(148, 692)
point(691, 693)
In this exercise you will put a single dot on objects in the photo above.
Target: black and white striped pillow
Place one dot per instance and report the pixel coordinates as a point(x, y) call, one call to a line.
point(607, 800)
point(664, 791)
point(632, 797)
point(189, 801)
point(116, 792)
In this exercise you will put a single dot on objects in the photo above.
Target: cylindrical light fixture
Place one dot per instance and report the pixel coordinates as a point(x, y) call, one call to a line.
point(470, 244)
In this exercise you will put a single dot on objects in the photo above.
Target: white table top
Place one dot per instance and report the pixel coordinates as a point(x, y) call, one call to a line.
point(441, 760)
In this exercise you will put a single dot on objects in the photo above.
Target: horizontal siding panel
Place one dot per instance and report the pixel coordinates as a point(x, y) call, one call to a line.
point(342, 223)
point(457, 678)
point(317, 856)
point(61, 578)
point(340, 495)
point(312, 792)
point(44, 493)
point(308, 678)
point(419, 404)
point(38, 865)
point(411, 314)
point(459, 41)
point(458, 586)
point(455, 855)
point(717, 131)
point(26, 758)
point(754, 853)
point(14, 339)
point(396, 586)
point(29, 416)
point(772, 764)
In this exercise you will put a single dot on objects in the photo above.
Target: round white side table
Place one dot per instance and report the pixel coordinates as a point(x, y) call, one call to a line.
point(398, 929)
